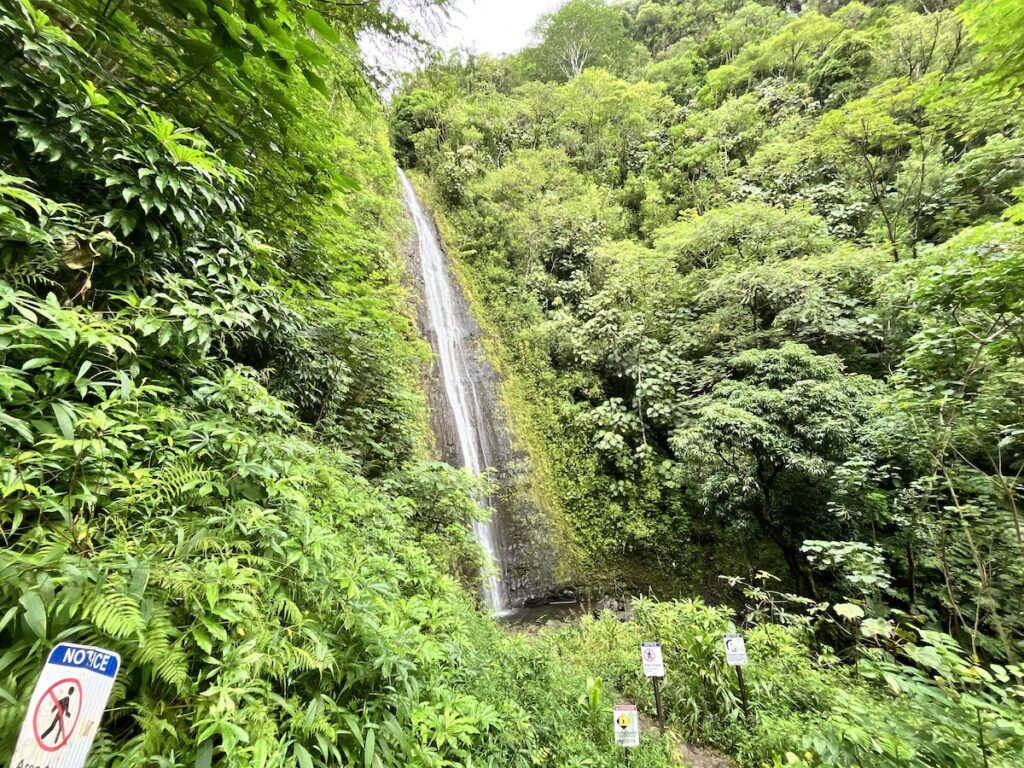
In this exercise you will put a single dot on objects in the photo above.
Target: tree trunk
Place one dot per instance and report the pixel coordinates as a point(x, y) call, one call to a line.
point(799, 570)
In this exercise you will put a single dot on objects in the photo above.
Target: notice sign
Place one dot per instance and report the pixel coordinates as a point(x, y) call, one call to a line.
point(626, 722)
point(66, 706)
point(735, 650)
point(650, 655)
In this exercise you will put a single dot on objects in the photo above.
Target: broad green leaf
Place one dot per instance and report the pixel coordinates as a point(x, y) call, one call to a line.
point(35, 613)
point(303, 756)
point(370, 749)
point(849, 611)
point(322, 28)
point(65, 419)
point(204, 755)
point(316, 81)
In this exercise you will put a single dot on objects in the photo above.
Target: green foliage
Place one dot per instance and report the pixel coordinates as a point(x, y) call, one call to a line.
point(965, 362)
point(743, 233)
point(581, 34)
point(754, 277)
point(998, 24)
point(772, 435)
point(804, 702)
point(212, 439)
point(211, 436)
point(542, 216)
point(812, 152)
point(797, 351)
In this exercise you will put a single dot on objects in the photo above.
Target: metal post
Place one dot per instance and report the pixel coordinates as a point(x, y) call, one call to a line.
point(981, 739)
point(743, 692)
point(657, 704)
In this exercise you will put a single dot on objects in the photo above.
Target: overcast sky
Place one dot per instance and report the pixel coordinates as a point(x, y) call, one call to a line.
point(493, 26)
point(483, 26)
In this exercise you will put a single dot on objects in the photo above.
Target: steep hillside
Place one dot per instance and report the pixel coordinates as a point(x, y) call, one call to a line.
point(212, 440)
point(736, 313)
point(753, 272)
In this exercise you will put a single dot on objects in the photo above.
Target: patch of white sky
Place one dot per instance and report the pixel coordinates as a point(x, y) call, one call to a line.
point(494, 27)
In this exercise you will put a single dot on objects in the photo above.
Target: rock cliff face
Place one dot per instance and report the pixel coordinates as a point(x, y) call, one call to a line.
point(472, 428)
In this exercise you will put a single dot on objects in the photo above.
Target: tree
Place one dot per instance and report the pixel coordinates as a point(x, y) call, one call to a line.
point(998, 25)
point(764, 446)
point(540, 218)
point(708, 147)
point(743, 233)
point(411, 113)
point(819, 156)
point(964, 378)
point(580, 34)
point(883, 148)
point(612, 126)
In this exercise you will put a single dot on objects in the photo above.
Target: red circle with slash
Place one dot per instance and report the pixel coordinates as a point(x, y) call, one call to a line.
point(61, 708)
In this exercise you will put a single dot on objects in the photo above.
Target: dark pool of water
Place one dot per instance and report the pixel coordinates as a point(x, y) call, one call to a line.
point(542, 614)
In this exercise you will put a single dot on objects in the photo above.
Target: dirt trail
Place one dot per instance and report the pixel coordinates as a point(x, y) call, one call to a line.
point(693, 755)
point(704, 757)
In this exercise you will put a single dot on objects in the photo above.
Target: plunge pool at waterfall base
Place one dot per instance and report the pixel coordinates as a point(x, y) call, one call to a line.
point(538, 615)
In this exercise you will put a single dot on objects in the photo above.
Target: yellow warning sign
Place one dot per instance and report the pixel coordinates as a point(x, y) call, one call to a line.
point(626, 721)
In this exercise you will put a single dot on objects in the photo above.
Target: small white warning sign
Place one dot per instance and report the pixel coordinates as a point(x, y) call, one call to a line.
point(66, 706)
point(735, 650)
point(626, 722)
point(650, 655)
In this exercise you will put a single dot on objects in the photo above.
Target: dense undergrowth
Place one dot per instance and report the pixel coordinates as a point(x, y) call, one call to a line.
point(913, 699)
point(212, 436)
point(212, 447)
point(756, 271)
point(752, 268)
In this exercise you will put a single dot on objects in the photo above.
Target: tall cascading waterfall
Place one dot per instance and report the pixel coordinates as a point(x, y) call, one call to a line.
point(450, 335)
point(473, 430)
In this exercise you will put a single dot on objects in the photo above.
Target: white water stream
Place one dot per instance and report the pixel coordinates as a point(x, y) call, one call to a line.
point(451, 335)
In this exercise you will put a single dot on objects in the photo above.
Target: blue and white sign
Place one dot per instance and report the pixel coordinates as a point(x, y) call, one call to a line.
point(650, 655)
point(66, 706)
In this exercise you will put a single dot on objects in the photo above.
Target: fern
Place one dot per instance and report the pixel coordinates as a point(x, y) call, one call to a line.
point(156, 649)
point(176, 482)
point(116, 614)
point(289, 611)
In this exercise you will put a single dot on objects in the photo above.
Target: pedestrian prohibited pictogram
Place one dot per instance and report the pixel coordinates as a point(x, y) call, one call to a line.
point(64, 712)
point(57, 714)
point(650, 655)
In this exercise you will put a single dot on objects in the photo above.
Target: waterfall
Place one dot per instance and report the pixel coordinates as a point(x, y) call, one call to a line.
point(450, 329)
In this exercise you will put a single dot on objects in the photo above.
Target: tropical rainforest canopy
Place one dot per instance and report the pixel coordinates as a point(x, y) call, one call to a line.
point(754, 273)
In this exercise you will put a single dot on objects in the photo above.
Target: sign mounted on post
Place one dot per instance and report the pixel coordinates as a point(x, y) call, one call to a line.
point(736, 655)
point(650, 655)
point(735, 650)
point(66, 706)
point(626, 721)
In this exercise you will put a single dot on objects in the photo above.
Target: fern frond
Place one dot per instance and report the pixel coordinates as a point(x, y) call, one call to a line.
point(173, 669)
point(116, 614)
point(289, 611)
